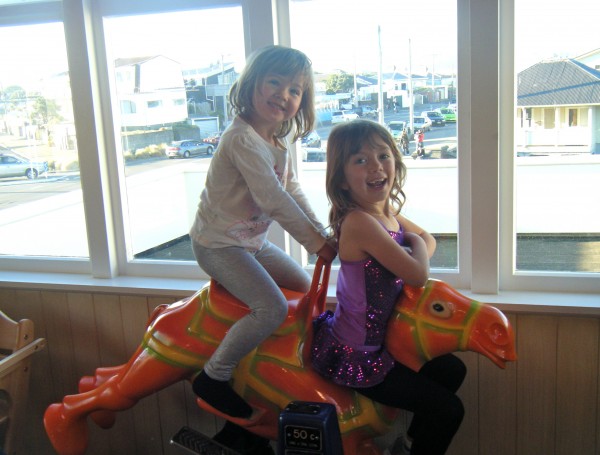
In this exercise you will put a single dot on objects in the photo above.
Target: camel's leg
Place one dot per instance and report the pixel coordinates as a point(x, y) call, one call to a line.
point(104, 418)
point(65, 422)
point(101, 375)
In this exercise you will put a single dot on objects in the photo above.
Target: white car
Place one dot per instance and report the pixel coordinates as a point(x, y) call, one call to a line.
point(343, 116)
point(396, 127)
point(421, 123)
point(314, 155)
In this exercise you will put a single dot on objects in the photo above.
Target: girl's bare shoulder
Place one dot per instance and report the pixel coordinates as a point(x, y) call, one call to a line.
point(358, 223)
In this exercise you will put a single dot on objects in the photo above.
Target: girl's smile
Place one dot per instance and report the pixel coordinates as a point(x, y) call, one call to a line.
point(377, 184)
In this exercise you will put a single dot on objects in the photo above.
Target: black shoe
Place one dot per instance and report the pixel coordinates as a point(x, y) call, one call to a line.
point(221, 396)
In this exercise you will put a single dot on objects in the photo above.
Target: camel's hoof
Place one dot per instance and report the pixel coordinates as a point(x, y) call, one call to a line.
point(104, 419)
point(86, 384)
point(68, 437)
point(255, 418)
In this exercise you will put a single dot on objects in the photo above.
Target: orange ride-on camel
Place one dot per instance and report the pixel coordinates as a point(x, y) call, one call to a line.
point(179, 339)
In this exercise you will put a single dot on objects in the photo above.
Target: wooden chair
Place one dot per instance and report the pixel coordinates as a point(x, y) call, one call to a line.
point(16, 346)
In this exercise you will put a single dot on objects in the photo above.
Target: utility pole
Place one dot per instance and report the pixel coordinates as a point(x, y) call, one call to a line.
point(380, 98)
point(433, 72)
point(411, 101)
point(433, 93)
point(355, 85)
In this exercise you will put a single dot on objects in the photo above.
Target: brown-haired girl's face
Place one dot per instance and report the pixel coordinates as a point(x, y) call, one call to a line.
point(369, 174)
point(278, 98)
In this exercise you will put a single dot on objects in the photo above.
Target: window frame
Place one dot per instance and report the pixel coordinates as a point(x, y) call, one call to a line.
point(486, 94)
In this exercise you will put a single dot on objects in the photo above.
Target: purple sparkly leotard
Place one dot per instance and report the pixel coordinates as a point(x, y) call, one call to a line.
point(348, 345)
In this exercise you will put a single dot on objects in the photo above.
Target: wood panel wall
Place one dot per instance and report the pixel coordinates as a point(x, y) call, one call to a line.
point(548, 402)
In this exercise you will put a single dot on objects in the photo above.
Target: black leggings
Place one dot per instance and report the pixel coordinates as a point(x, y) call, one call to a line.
point(431, 395)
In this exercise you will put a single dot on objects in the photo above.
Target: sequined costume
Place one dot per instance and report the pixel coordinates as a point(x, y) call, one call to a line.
point(348, 345)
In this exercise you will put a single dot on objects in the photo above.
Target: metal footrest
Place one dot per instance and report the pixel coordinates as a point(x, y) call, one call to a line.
point(196, 442)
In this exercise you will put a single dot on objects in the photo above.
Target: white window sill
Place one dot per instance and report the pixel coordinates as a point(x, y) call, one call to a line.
point(514, 302)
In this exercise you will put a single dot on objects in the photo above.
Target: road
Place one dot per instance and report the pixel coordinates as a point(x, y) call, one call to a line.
point(439, 135)
point(18, 190)
point(15, 191)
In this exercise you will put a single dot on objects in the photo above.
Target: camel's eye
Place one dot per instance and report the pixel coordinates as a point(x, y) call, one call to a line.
point(441, 309)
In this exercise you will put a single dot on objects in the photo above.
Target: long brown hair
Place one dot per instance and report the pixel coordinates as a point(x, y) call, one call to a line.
point(346, 140)
point(283, 61)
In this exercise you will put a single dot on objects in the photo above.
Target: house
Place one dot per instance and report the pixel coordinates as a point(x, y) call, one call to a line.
point(558, 107)
point(590, 58)
point(151, 91)
point(395, 86)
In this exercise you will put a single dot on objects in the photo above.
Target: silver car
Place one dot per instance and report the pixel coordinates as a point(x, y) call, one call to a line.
point(17, 166)
point(187, 148)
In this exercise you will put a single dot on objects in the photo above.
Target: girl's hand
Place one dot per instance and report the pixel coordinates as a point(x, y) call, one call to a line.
point(327, 252)
point(411, 239)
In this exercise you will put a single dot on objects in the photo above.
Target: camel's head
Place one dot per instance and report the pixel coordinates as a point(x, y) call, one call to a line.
point(436, 319)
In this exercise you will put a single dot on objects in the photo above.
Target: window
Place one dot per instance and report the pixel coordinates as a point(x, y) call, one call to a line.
point(41, 209)
point(160, 196)
point(505, 195)
point(573, 117)
point(376, 67)
point(557, 167)
point(127, 107)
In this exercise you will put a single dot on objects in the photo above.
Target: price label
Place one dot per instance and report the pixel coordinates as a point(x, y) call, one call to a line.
point(303, 438)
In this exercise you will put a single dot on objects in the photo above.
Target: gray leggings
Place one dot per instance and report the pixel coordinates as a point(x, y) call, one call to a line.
point(255, 280)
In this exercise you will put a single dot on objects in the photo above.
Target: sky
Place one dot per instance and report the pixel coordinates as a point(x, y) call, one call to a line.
point(335, 34)
point(555, 28)
point(347, 33)
point(544, 29)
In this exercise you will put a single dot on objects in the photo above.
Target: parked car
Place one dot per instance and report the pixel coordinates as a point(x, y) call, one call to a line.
point(396, 127)
point(366, 112)
point(314, 155)
point(448, 114)
point(187, 148)
point(213, 140)
point(18, 166)
point(343, 116)
point(449, 152)
point(453, 106)
point(436, 118)
point(312, 140)
point(421, 123)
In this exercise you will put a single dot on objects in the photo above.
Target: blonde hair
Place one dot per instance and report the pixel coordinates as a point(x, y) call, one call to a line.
point(283, 61)
point(346, 140)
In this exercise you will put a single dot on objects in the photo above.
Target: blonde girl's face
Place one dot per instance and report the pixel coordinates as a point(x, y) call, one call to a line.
point(369, 175)
point(278, 98)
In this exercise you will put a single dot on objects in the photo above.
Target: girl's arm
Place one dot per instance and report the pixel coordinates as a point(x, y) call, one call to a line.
point(254, 162)
point(362, 236)
point(409, 226)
